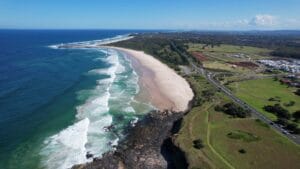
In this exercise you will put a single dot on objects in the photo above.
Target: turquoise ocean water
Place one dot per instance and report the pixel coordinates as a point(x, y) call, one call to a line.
point(58, 105)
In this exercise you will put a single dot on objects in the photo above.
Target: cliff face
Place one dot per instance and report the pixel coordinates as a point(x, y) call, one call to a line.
point(148, 146)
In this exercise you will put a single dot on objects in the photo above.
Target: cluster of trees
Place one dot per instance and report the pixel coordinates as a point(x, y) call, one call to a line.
point(283, 43)
point(157, 46)
point(284, 116)
point(234, 110)
point(278, 111)
point(205, 95)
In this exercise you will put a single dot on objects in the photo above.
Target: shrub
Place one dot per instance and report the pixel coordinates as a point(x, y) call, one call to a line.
point(242, 151)
point(289, 104)
point(278, 110)
point(282, 121)
point(235, 110)
point(297, 92)
point(198, 144)
point(291, 126)
point(218, 108)
point(296, 115)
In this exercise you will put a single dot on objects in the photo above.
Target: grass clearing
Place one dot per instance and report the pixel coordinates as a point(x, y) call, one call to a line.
point(257, 146)
point(224, 67)
point(242, 135)
point(258, 92)
point(223, 48)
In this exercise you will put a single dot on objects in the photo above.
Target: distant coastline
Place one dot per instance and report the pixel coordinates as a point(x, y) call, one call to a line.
point(165, 89)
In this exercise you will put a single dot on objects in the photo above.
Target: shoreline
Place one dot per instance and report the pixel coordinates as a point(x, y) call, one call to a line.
point(161, 85)
point(149, 143)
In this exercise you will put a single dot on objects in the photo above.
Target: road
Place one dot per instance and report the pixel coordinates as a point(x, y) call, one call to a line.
point(210, 77)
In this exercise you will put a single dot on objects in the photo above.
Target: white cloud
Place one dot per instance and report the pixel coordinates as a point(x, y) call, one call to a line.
point(260, 21)
point(263, 20)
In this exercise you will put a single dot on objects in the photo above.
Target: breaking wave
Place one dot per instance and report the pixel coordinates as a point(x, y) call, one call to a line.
point(101, 119)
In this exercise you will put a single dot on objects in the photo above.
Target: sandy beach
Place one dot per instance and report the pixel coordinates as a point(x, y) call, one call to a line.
point(164, 88)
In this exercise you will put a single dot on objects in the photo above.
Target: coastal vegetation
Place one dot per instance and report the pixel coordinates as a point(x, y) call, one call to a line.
point(280, 43)
point(158, 47)
point(217, 133)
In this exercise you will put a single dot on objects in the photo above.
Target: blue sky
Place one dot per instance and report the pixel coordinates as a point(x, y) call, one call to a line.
point(150, 14)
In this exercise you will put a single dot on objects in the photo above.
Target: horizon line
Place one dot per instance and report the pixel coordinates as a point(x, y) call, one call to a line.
point(154, 29)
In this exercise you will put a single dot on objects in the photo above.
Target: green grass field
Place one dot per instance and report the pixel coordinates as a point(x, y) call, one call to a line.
point(257, 93)
point(263, 147)
point(223, 49)
point(218, 57)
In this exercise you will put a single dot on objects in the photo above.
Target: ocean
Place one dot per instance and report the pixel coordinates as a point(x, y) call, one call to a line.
point(58, 105)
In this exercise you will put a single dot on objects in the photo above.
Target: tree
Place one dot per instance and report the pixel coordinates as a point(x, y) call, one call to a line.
point(282, 121)
point(242, 151)
point(235, 110)
point(278, 110)
point(296, 115)
point(208, 94)
point(291, 126)
point(198, 144)
point(297, 92)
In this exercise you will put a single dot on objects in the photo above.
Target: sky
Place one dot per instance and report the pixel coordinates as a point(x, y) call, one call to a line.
point(151, 14)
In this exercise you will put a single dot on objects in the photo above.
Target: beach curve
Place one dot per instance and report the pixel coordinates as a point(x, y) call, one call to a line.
point(166, 89)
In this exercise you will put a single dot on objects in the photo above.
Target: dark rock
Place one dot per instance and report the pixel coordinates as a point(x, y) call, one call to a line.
point(89, 155)
point(142, 148)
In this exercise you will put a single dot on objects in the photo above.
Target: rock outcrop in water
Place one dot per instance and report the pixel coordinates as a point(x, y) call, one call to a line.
point(148, 146)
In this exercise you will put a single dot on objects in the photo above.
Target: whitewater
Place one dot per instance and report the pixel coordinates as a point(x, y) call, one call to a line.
point(107, 110)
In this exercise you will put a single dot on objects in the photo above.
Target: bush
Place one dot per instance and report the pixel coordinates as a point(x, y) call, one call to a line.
point(296, 115)
point(291, 126)
point(235, 110)
point(218, 108)
point(297, 92)
point(198, 144)
point(282, 121)
point(198, 101)
point(242, 151)
point(272, 99)
point(297, 131)
point(289, 104)
point(208, 94)
point(278, 110)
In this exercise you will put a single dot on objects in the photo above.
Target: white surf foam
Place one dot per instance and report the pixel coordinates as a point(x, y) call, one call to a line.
point(90, 133)
point(92, 43)
point(67, 147)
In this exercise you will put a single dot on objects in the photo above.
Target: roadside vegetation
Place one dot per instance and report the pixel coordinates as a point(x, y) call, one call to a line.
point(275, 100)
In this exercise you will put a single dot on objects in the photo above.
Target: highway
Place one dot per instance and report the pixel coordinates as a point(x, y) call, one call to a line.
point(210, 77)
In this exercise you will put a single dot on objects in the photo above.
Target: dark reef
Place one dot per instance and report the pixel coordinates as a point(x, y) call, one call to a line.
point(148, 146)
